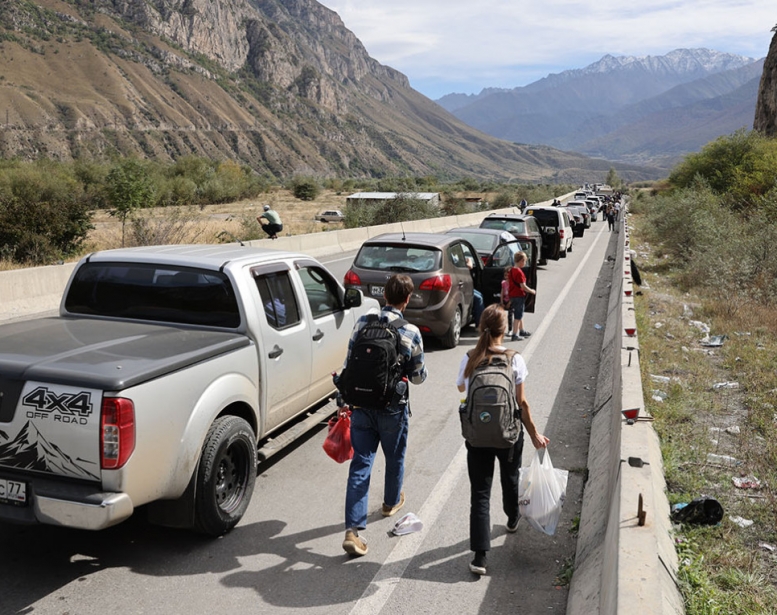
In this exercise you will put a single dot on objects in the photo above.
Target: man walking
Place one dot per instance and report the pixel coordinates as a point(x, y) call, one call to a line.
point(271, 222)
point(386, 426)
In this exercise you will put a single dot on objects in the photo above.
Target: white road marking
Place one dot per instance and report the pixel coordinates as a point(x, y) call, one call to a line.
point(390, 573)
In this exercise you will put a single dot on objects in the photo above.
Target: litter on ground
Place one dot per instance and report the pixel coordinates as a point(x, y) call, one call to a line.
point(740, 521)
point(733, 430)
point(746, 482)
point(715, 341)
point(725, 385)
point(767, 547)
point(726, 460)
point(655, 378)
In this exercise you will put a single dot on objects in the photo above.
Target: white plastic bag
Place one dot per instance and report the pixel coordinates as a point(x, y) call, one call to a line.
point(541, 493)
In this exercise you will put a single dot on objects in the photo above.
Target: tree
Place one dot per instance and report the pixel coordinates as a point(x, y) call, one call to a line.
point(128, 188)
point(612, 179)
point(305, 188)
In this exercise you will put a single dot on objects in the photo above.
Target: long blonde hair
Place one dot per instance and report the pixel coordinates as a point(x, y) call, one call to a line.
point(493, 325)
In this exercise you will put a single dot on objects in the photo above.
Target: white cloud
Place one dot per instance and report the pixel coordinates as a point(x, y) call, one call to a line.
point(458, 45)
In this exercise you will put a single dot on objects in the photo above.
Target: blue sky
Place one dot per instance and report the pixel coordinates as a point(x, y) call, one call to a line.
point(446, 46)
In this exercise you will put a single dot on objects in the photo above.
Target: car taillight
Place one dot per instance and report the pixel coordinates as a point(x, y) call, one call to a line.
point(351, 279)
point(484, 259)
point(561, 233)
point(439, 282)
point(117, 432)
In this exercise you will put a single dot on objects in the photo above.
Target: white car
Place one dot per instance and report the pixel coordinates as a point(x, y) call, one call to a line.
point(331, 215)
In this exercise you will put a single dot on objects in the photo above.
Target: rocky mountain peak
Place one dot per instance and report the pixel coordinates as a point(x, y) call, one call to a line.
point(766, 108)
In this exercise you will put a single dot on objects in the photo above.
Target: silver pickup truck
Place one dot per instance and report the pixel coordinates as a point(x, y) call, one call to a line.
point(164, 369)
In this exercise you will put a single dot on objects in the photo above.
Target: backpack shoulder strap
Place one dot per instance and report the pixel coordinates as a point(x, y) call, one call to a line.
point(397, 323)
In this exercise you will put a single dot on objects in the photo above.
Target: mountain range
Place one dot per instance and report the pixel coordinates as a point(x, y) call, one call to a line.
point(30, 450)
point(279, 85)
point(646, 110)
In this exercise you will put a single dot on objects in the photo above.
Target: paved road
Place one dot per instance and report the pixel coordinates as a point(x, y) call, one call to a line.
point(285, 556)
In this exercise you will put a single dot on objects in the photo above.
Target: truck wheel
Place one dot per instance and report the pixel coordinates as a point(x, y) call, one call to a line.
point(451, 338)
point(226, 476)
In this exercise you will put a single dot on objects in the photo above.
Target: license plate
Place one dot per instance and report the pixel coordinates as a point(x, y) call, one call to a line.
point(13, 492)
point(376, 291)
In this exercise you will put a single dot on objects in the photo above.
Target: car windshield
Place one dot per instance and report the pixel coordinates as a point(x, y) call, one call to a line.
point(516, 227)
point(390, 257)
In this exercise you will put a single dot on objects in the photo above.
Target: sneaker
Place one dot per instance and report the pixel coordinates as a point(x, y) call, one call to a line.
point(515, 337)
point(353, 544)
point(525, 334)
point(480, 563)
point(512, 524)
point(387, 510)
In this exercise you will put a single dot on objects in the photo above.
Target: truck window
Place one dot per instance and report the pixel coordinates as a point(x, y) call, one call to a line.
point(321, 290)
point(159, 293)
point(278, 299)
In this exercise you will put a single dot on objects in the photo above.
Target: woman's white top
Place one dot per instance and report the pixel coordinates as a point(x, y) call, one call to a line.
point(519, 369)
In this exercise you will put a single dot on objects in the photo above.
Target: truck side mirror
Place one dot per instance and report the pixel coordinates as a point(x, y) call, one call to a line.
point(353, 298)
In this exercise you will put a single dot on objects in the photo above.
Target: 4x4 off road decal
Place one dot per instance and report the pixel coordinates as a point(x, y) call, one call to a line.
point(61, 407)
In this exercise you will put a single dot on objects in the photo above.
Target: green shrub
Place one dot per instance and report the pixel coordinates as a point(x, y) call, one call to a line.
point(305, 188)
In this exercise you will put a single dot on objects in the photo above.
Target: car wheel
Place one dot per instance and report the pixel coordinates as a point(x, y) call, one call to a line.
point(225, 477)
point(323, 219)
point(543, 261)
point(451, 338)
point(569, 249)
point(563, 254)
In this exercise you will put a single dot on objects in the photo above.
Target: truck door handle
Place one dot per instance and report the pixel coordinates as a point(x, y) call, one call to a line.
point(275, 352)
point(319, 334)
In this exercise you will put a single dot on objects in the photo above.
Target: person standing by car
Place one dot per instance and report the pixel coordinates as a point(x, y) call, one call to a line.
point(385, 426)
point(518, 291)
point(480, 460)
point(271, 222)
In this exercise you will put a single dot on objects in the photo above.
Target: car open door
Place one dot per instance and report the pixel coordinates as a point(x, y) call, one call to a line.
point(503, 257)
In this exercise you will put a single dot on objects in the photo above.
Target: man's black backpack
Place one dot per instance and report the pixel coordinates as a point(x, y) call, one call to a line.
point(490, 418)
point(374, 367)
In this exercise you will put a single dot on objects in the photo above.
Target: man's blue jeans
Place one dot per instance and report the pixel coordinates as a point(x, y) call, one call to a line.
point(477, 306)
point(368, 429)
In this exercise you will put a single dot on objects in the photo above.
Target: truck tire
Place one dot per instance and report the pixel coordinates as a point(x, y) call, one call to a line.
point(451, 338)
point(226, 476)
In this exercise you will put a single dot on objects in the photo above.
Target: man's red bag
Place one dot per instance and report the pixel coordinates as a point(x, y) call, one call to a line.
point(338, 442)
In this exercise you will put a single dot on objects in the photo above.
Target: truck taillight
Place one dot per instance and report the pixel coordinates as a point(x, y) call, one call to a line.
point(117, 432)
point(351, 279)
point(439, 282)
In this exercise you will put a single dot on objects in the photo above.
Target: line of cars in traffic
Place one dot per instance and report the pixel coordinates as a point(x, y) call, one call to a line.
point(447, 268)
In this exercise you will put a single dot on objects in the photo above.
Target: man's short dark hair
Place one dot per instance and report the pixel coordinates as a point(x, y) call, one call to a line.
point(398, 289)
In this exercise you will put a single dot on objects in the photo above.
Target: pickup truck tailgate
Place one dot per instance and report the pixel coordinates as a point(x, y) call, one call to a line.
point(53, 373)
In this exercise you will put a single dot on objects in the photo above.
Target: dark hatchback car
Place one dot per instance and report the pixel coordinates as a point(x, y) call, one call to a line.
point(521, 227)
point(439, 265)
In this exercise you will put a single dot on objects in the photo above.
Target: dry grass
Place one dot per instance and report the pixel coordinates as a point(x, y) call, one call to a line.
point(724, 569)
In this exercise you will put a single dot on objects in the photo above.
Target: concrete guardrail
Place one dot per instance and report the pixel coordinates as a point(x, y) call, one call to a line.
point(624, 564)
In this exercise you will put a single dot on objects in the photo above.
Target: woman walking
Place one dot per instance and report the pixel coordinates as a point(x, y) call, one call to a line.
point(480, 460)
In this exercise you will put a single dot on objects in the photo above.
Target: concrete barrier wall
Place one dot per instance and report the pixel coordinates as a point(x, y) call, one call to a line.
point(26, 292)
point(622, 567)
